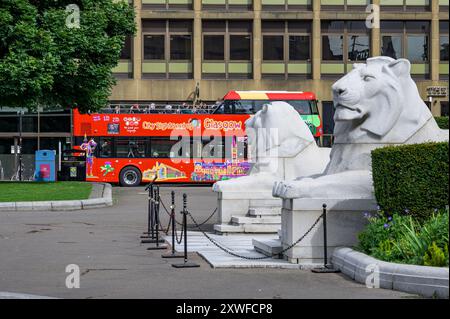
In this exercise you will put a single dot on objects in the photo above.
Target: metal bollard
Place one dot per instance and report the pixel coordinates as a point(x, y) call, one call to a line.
point(173, 254)
point(156, 222)
point(326, 267)
point(151, 234)
point(186, 264)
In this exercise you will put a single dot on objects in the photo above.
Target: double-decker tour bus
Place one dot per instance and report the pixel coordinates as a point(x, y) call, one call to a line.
point(133, 145)
point(250, 102)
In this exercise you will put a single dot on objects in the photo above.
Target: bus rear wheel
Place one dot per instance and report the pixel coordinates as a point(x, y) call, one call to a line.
point(130, 176)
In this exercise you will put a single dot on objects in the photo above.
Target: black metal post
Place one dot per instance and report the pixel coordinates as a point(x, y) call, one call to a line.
point(20, 145)
point(186, 263)
point(150, 234)
point(325, 257)
point(326, 268)
point(173, 254)
point(156, 221)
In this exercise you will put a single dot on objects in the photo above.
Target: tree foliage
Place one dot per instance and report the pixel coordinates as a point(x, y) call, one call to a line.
point(44, 62)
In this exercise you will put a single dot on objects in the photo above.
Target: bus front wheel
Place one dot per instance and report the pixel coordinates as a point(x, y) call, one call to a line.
point(130, 176)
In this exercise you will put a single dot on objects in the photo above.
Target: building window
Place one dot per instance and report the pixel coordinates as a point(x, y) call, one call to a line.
point(167, 49)
point(410, 40)
point(167, 4)
point(125, 54)
point(343, 43)
point(328, 123)
point(286, 49)
point(154, 47)
point(285, 5)
point(229, 5)
point(405, 5)
point(333, 5)
point(443, 52)
point(444, 108)
point(227, 49)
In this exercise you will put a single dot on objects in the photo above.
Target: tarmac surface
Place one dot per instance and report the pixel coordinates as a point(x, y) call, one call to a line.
point(36, 247)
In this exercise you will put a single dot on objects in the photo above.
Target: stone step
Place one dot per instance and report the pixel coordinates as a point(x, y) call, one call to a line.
point(249, 228)
point(261, 228)
point(226, 228)
point(256, 220)
point(264, 211)
point(268, 247)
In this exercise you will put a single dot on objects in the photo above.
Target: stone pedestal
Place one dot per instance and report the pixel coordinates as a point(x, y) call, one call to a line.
point(345, 219)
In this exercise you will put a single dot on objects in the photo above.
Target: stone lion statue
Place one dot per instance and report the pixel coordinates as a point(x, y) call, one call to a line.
point(376, 104)
point(281, 145)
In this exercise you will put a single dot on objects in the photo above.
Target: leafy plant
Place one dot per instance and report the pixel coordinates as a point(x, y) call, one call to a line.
point(434, 256)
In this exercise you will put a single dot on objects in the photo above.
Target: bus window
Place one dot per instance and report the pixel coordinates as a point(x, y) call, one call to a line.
point(130, 147)
point(223, 108)
point(301, 106)
point(235, 148)
point(243, 107)
point(164, 147)
point(105, 147)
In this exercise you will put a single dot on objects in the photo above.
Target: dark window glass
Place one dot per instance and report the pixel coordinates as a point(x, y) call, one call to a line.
point(358, 47)
point(333, 26)
point(328, 115)
point(105, 147)
point(332, 48)
point(9, 122)
point(417, 48)
point(444, 47)
point(299, 48)
point(357, 26)
point(180, 47)
point(303, 107)
point(180, 26)
point(154, 47)
point(29, 145)
point(443, 27)
point(125, 54)
point(273, 26)
point(162, 148)
point(273, 47)
point(240, 26)
point(213, 26)
point(392, 26)
point(239, 47)
point(30, 123)
point(55, 123)
point(51, 143)
point(130, 147)
point(5, 145)
point(417, 27)
point(392, 46)
point(444, 108)
point(213, 47)
point(299, 26)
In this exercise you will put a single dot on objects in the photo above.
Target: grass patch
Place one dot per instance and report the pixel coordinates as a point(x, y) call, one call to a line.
point(34, 191)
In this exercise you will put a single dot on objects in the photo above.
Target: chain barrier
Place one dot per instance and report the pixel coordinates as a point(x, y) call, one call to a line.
point(230, 252)
point(201, 224)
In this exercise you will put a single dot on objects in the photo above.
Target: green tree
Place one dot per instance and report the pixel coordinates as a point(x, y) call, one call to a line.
point(47, 59)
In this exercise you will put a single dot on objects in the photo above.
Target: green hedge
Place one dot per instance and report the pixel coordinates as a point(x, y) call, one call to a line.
point(411, 177)
point(442, 122)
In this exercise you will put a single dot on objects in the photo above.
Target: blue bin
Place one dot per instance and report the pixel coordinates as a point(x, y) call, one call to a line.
point(45, 166)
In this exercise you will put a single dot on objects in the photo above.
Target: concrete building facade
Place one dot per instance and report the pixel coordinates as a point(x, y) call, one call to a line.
point(221, 45)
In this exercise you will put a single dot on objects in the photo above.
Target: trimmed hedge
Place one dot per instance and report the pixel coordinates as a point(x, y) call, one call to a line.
point(412, 178)
point(442, 122)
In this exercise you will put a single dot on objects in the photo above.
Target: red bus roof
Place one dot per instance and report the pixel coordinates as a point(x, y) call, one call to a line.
point(269, 95)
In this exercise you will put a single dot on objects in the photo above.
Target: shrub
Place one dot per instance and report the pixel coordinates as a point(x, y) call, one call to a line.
point(442, 122)
point(411, 177)
point(403, 239)
point(434, 256)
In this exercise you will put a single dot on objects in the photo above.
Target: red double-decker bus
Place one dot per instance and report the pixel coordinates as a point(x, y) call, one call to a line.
point(135, 145)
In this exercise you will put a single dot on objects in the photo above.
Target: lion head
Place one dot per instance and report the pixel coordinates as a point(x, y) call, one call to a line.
point(278, 126)
point(378, 99)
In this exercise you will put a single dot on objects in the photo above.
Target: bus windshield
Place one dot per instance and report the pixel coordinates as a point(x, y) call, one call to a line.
point(303, 107)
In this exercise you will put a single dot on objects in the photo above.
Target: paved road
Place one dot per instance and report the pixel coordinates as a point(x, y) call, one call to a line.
point(36, 247)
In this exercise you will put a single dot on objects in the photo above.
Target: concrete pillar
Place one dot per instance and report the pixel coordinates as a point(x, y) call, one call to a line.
point(137, 42)
point(434, 40)
point(375, 32)
point(197, 41)
point(257, 40)
point(316, 42)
